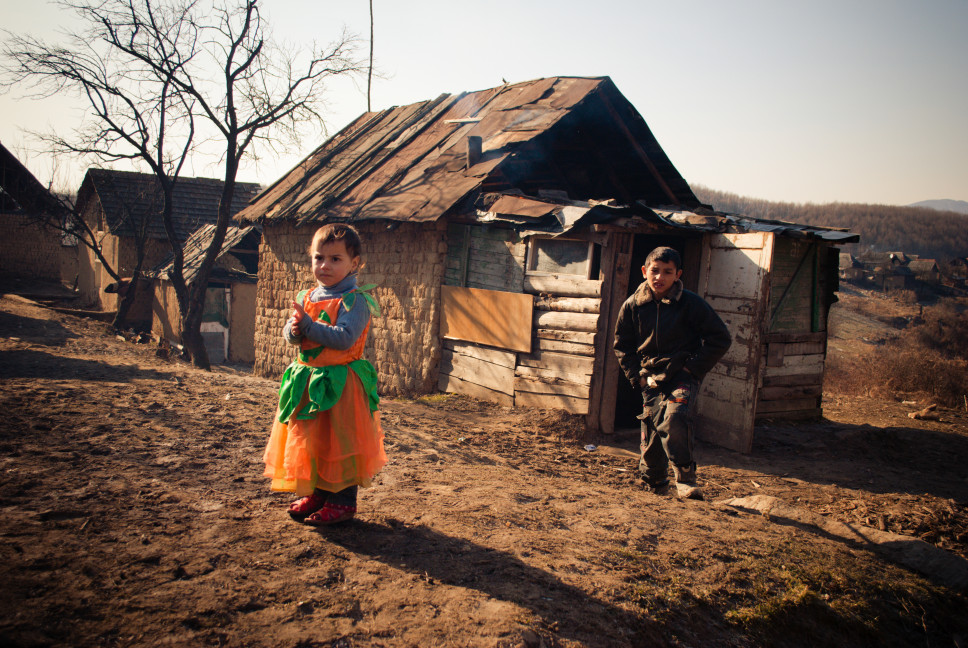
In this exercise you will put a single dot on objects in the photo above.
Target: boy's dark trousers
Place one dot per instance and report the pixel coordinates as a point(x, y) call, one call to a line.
point(666, 429)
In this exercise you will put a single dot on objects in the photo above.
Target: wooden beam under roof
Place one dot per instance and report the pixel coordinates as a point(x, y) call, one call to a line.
point(643, 155)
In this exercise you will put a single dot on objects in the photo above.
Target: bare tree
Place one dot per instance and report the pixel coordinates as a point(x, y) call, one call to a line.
point(369, 69)
point(168, 79)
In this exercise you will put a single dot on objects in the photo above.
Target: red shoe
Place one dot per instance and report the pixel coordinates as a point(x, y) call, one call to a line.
point(331, 514)
point(308, 505)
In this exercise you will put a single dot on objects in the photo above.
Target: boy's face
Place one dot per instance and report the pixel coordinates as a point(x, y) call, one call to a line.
point(332, 263)
point(661, 276)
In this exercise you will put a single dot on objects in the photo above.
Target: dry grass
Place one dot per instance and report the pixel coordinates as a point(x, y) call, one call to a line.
point(927, 361)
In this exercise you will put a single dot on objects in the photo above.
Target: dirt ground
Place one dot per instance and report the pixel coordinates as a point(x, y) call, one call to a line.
point(133, 513)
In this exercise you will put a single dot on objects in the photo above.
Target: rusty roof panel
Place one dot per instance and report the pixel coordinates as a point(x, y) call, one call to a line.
point(410, 162)
point(517, 206)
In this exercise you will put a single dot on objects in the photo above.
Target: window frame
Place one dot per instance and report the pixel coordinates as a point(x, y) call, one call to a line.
point(531, 258)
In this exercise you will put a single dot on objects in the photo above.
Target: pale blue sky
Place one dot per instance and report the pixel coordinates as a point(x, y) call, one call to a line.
point(819, 101)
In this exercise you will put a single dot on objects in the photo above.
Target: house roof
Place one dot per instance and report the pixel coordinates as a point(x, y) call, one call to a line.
point(578, 136)
point(199, 242)
point(923, 265)
point(21, 191)
point(127, 197)
point(847, 260)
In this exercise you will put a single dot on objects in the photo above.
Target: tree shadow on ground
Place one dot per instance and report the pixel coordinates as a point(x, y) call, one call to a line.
point(34, 330)
point(32, 363)
point(572, 613)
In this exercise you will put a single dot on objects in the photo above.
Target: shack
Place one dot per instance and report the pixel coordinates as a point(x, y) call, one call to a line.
point(229, 315)
point(123, 206)
point(505, 228)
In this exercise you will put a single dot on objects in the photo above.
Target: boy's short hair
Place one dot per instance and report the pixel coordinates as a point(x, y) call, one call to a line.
point(332, 232)
point(665, 255)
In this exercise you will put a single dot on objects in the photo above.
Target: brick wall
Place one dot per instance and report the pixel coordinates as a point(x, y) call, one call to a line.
point(28, 249)
point(406, 263)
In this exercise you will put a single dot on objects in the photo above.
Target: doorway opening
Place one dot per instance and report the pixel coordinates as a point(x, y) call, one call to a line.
point(628, 399)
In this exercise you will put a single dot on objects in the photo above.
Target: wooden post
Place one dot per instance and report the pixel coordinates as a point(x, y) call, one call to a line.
point(616, 256)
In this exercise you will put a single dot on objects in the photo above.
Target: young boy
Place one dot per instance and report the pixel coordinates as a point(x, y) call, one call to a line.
point(666, 339)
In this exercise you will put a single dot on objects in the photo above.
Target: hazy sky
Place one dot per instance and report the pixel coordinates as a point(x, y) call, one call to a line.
point(819, 101)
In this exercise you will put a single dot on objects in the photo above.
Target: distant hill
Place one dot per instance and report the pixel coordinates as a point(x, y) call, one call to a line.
point(957, 206)
point(928, 233)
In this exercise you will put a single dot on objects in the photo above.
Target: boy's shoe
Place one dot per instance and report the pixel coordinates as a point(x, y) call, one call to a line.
point(331, 514)
point(686, 486)
point(305, 506)
point(688, 491)
point(660, 489)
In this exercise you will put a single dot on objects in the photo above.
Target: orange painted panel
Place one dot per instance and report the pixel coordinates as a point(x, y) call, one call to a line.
point(492, 317)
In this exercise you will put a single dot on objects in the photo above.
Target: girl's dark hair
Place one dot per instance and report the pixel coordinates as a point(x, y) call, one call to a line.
point(332, 232)
point(665, 255)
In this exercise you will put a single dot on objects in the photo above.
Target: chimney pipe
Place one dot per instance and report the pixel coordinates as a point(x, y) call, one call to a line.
point(474, 145)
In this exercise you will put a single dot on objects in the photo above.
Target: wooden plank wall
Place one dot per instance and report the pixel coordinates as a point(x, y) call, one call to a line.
point(484, 257)
point(556, 373)
point(795, 347)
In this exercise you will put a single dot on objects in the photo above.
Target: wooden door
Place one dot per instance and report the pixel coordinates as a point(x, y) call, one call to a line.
point(734, 279)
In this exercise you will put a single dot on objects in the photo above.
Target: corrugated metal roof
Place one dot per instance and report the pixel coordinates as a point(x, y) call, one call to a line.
point(531, 215)
point(127, 196)
point(578, 135)
point(196, 246)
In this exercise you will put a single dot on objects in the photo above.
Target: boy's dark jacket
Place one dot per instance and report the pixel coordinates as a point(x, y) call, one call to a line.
point(681, 331)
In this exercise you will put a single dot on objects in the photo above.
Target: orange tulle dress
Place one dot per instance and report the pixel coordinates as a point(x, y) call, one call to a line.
point(327, 433)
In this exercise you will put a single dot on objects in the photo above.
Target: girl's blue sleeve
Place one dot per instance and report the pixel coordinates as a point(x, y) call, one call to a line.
point(342, 335)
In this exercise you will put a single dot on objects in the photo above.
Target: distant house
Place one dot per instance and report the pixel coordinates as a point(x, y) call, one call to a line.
point(121, 205)
point(505, 227)
point(889, 271)
point(925, 270)
point(228, 323)
point(850, 268)
point(955, 272)
point(28, 247)
point(893, 277)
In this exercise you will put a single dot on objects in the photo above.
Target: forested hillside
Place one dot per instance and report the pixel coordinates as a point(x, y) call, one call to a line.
point(925, 232)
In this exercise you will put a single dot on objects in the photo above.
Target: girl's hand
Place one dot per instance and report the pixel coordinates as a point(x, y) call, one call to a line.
point(298, 312)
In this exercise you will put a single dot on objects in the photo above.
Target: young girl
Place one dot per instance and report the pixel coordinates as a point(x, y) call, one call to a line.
point(326, 439)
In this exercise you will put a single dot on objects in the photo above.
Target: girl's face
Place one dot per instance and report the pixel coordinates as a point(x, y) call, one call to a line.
point(332, 263)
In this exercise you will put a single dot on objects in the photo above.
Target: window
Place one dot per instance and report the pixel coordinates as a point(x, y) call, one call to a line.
point(563, 256)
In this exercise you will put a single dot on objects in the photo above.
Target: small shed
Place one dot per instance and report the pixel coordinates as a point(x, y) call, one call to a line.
point(119, 205)
point(28, 247)
point(505, 228)
point(926, 270)
point(229, 315)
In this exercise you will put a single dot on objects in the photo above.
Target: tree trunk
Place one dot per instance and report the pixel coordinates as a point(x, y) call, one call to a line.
point(191, 328)
point(192, 319)
point(125, 302)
